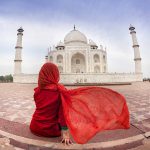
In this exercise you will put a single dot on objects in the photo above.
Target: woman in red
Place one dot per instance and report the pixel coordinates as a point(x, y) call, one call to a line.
point(82, 111)
point(48, 119)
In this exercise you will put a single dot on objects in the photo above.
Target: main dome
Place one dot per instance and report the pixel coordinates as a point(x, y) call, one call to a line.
point(75, 36)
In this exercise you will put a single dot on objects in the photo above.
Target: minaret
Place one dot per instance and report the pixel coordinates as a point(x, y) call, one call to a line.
point(46, 58)
point(74, 27)
point(18, 58)
point(137, 57)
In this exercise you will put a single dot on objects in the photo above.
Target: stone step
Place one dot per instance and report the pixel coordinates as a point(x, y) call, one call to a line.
point(20, 136)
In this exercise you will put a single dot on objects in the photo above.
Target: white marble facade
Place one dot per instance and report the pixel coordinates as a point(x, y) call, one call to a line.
point(78, 55)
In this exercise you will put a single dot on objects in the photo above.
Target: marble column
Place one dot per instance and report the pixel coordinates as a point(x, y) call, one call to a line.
point(137, 57)
point(18, 53)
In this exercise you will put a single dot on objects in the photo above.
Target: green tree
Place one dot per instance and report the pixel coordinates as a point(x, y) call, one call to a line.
point(2, 79)
point(8, 78)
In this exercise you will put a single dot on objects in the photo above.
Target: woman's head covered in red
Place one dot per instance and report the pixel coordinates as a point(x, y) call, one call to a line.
point(49, 74)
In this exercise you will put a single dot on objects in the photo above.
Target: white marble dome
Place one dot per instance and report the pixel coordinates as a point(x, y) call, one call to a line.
point(75, 36)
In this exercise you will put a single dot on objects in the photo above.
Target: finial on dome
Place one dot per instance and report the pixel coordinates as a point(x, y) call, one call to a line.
point(74, 27)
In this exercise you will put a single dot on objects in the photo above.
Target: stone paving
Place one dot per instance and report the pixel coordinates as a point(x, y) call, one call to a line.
point(17, 102)
point(5, 145)
point(145, 146)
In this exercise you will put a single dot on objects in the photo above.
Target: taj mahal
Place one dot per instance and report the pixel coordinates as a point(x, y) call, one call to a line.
point(79, 61)
point(76, 55)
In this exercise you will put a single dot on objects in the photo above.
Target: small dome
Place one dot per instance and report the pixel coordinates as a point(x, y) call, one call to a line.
point(92, 43)
point(75, 36)
point(20, 29)
point(60, 44)
point(131, 27)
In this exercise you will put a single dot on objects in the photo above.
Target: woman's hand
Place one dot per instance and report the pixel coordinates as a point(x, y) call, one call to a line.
point(66, 137)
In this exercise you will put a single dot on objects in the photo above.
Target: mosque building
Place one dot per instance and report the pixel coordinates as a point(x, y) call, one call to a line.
point(79, 60)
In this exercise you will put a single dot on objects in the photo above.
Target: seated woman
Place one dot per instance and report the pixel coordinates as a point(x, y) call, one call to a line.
point(83, 111)
point(48, 119)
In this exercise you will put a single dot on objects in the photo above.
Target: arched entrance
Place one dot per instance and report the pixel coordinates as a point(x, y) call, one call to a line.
point(96, 69)
point(96, 58)
point(60, 68)
point(78, 64)
point(59, 59)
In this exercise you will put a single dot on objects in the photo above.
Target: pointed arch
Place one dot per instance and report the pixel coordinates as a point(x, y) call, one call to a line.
point(60, 68)
point(78, 64)
point(59, 58)
point(97, 69)
point(51, 58)
point(96, 58)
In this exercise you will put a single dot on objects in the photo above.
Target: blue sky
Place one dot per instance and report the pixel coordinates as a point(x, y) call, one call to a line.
point(46, 22)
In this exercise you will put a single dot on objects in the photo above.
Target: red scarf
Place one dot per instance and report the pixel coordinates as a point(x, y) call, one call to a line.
point(87, 110)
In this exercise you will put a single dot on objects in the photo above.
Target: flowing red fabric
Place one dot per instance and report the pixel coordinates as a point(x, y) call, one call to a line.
point(87, 110)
